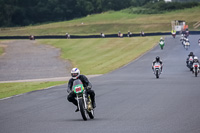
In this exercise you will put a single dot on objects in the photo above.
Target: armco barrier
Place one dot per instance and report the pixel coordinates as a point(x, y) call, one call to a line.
point(90, 36)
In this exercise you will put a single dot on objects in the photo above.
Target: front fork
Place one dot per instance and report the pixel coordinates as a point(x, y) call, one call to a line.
point(84, 100)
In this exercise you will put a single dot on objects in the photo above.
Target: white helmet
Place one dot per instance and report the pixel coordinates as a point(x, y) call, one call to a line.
point(75, 72)
point(161, 38)
point(195, 58)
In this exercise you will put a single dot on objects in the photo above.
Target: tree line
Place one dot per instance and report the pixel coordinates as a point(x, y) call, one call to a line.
point(28, 12)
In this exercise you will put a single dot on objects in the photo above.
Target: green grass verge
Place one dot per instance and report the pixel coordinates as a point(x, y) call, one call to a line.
point(91, 56)
point(1, 50)
point(10, 89)
point(2, 46)
point(102, 55)
point(110, 23)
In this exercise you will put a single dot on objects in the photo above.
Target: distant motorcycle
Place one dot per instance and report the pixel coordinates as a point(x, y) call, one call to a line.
point(157, 69)
point(162, 44)
point(68, 36)
point(174, 34)
point(196, 68)
point(199, 42)
point(31, 37)
point(190, 63)
point(186, 45)
point(182, 38)
point(83, 99)
point(186, 33)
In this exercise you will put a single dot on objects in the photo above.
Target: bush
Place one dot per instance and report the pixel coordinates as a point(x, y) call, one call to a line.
point(170, 6)
point(161, 7)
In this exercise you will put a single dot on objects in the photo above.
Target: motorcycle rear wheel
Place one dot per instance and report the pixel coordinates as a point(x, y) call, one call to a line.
point(91, 114)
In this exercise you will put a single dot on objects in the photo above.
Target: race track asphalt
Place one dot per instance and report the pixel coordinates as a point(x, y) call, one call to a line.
point(129, 100)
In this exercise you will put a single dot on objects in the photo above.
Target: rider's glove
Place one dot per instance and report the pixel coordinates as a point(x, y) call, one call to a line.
point(89, 87)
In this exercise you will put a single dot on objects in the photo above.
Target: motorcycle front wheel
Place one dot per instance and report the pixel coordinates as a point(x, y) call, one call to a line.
point(196, 72)
point(82, 109)
point(91, 114)
point(157, 75)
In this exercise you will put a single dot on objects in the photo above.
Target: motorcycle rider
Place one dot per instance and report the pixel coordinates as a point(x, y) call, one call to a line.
point(67, 35)
point(187, 32)
point(102, 35)
point(142, 33)
point(195, 61)
point(129, 34)
point(161, 39)
point(157, 60)
point(182, 37)
point(173, 31)
point(187, 40)
point(190, 55)
point(161, 43)
point(75, 73)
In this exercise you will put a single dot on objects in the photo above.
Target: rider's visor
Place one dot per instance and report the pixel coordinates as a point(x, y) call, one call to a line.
point(74, 74)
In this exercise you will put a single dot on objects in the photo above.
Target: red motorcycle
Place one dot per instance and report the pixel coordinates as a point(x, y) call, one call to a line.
point(196, 69)
point(174, 34)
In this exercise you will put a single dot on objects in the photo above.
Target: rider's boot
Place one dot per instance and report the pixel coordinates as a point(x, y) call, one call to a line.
point(93, 104)
point(77, 109)
point(75, 103)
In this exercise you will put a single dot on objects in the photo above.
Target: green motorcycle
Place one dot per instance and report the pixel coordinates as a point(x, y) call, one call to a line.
point(83, 99)
point(162, 44)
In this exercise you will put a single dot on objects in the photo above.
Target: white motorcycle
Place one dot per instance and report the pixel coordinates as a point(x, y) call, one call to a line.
point(186, 45)
point(157, 69)
point(182, 38)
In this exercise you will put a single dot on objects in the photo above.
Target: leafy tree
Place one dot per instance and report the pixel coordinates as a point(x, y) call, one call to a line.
point(26, 12)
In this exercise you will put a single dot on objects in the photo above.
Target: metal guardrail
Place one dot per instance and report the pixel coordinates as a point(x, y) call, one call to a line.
point(90, 36)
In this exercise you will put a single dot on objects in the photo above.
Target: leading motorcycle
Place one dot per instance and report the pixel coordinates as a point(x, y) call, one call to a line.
point(83, 99)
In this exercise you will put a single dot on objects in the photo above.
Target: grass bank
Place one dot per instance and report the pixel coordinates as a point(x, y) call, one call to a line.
point(10, 89)
point(110, 23)
point(102, 55)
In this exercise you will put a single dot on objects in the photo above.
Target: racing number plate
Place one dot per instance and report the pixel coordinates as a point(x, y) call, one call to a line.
point(78, 89)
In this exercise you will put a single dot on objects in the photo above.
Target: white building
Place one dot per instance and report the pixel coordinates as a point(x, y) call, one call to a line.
point(168, 0)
